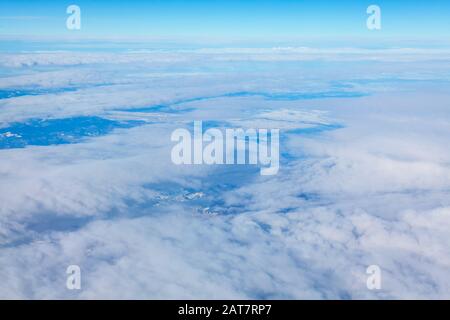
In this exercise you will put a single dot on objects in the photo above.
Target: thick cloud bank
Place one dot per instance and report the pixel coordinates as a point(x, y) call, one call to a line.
point(86, 176)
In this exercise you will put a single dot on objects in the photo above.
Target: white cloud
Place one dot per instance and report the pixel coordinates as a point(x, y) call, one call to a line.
point(375, 191)
point(149, 58)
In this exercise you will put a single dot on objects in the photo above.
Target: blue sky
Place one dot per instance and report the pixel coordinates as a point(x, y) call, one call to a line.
point(231, 19)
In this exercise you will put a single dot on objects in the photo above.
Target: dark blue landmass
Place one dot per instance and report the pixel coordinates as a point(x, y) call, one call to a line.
point(44, 132)
point(13, 93)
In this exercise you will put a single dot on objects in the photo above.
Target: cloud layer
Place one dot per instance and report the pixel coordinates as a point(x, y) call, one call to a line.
point(364, 177)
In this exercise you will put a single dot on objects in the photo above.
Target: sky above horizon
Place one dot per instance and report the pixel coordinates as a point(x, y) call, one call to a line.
point(263, 19)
